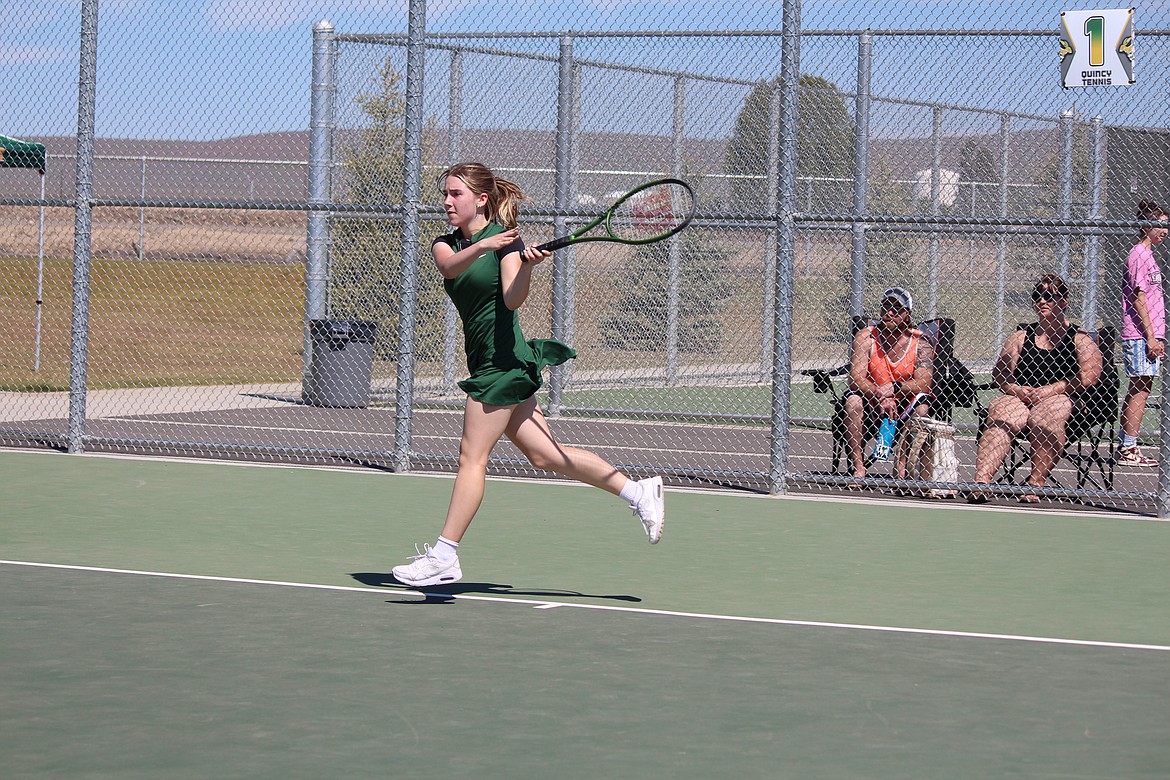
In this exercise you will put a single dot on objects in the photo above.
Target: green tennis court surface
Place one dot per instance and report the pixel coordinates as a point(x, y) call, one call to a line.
point(174, 619)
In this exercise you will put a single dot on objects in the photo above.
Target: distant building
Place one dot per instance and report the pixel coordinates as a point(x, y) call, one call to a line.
point(948, 187)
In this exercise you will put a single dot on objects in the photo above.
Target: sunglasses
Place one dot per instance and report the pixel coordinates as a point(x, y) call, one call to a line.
point(893, 307)
point(1047, 296)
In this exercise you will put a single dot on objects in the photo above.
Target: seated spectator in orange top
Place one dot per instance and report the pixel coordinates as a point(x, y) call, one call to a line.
point(890, 365)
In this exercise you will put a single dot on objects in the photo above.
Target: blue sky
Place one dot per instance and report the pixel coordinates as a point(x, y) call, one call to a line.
point(218, 68)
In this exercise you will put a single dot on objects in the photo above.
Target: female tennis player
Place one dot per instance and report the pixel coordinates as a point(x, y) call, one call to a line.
point(487, 272)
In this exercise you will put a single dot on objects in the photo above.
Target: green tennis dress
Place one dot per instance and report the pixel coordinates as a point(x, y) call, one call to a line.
point(505, 368)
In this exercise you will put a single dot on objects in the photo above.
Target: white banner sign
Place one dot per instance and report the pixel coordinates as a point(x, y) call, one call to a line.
point(1096, 48)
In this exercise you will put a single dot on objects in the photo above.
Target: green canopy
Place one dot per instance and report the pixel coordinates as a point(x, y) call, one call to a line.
point(21, 154)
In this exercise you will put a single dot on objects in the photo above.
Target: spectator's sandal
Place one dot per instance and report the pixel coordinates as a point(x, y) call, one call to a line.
point(978, 497)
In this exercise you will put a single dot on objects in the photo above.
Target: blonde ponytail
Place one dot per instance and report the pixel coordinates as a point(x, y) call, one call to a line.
point(504, 203)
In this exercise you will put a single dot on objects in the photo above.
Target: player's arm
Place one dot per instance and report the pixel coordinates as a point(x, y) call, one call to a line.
point(515, 276)
point(451, 263)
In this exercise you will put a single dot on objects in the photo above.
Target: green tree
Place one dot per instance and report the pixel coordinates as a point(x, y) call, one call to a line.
point(366, 253)
point(889, 257)
point(978, 173)
point(1042, 199)
point(640, 316)
point(1037, 254)
point(824, 136)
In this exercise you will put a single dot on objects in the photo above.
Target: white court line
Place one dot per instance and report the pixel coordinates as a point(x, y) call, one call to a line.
point(545, 604)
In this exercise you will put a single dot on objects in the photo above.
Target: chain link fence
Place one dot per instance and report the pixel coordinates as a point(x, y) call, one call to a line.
point(268, 293)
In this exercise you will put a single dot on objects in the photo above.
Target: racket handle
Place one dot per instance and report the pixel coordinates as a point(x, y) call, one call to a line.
point(555, 244)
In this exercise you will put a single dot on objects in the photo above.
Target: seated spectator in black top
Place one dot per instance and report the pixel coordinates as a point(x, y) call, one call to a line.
point(1040, 371)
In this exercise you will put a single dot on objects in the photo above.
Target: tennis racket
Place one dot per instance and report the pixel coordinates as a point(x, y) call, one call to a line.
point(656, 210)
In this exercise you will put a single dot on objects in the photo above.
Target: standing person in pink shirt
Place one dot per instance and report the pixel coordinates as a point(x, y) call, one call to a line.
point(1143, 332)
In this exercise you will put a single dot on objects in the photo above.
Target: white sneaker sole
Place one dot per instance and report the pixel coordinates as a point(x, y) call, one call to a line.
point(454, 574)
point(654, 532)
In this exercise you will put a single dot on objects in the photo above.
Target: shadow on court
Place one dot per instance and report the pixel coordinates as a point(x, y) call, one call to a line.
point(447, 593)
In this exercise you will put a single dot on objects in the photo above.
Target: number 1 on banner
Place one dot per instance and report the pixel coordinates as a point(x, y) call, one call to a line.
point(1095, 32)
point(1096, 48)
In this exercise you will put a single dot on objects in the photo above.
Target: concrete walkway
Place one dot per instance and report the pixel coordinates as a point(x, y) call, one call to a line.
point(123, 402)
point(149, 400)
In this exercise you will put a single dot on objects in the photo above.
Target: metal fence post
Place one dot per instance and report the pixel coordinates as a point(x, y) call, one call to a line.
point(785, 249)
point(971, 242)
point(1164, 448)
point(808, 244)
point(320, 185)
point(454, 150)
point(142, 211)
point(83, 224)
point(773, 196)
point(1093, 239)
point(412, 206)
point(1064, 190)
point(570, 315)
point(564, 196)
point(860, 172)
point(1005, 132)
point(40, 276)
point(935, 192)
point(673, 250)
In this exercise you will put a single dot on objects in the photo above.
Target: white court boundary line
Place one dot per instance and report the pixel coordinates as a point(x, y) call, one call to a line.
point(545, 604)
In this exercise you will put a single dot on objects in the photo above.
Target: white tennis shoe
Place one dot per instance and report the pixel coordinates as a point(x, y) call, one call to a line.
point(426, 569)
point(651, 508)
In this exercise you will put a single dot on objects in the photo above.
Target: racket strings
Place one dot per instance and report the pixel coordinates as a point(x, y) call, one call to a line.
point(656, 211)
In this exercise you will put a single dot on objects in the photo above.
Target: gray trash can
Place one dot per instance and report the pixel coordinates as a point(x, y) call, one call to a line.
point(343, 360)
